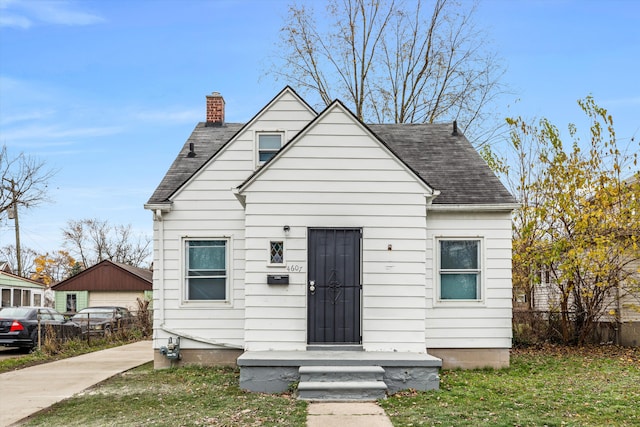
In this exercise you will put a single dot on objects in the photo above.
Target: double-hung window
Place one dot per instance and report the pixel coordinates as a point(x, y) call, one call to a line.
point(206, 270)
point(269, 144)
point(459, 269)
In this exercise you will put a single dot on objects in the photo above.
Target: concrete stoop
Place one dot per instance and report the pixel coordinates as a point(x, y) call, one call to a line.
point(341, 383)
point(347, 375)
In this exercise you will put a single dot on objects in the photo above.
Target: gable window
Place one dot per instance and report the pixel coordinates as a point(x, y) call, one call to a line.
point(268, 145)
point(459, 269)
point(206, 270)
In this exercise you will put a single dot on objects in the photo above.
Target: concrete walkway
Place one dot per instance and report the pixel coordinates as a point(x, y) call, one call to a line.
point(351, 414)
point(29, 390)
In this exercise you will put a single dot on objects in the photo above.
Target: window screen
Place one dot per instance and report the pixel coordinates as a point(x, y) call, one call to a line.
point(459, 269)
point(206, 269)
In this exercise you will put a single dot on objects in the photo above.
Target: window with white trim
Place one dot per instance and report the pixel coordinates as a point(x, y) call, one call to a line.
point(72, 303)
point(269, 143)
point(459, 269)
point(276, 252)
point(206, 270)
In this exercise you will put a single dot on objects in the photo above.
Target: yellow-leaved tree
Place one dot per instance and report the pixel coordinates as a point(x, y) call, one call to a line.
point(579, 219)
point(55, 267)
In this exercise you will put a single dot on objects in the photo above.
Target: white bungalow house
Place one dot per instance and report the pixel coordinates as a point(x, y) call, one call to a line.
point(302, 239)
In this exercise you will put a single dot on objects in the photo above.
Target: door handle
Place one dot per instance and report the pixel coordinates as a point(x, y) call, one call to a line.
point(312, 286)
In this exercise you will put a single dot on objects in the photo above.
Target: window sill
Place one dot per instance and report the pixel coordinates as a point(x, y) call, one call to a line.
point(198, 304)
point(460, 303)
point(281, 265)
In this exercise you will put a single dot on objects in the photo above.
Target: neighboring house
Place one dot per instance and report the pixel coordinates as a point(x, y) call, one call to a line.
point(4, 266)
point(620, 322)
point(17, 291)
point(629, 308)
point(299, 232)
point(106, 283)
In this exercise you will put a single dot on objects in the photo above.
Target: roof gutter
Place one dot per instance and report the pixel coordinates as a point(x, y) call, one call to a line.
point(237, 192)
point(158, 209)
point(492, 207)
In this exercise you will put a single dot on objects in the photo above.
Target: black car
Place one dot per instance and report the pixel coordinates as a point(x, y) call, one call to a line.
point(19, 326)
point(103, 320)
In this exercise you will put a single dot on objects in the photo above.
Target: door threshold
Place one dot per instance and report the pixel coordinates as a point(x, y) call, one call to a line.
point(334, 347)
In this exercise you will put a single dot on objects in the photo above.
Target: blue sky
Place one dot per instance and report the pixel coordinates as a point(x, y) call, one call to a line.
point(106, 92)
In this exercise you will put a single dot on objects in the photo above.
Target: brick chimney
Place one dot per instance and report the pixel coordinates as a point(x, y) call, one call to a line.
point(215, 109)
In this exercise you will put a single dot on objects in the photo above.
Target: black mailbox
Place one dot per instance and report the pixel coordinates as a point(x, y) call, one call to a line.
point(277, 279)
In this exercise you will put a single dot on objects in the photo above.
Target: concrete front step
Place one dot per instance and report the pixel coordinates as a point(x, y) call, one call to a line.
point(331, 383)
point(341, 373)
point(341, 390)
point(278, 371)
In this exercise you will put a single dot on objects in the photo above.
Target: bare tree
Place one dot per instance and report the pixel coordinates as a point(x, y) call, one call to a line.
point(394, 63)
point(27, 258)
point(23, 182)
point(93, 240)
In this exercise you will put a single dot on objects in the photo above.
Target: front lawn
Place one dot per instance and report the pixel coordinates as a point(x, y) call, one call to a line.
point(553, 386)
point(549, 386)
point(190, 396)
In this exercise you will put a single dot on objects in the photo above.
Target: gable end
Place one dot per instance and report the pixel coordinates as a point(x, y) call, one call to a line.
point(336, 104)
point(208, 142)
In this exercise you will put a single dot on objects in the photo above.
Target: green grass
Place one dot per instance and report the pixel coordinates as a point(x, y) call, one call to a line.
point(190, 396)
point(552, 386)
point(71, 348)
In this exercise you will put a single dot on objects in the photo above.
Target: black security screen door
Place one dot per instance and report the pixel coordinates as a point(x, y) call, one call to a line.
point(334, 286)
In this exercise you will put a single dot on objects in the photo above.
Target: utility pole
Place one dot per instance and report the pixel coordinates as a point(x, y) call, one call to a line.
point(13, 214)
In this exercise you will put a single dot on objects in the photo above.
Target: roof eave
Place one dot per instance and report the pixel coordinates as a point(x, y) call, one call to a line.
point(158, 209)
point(490, 207)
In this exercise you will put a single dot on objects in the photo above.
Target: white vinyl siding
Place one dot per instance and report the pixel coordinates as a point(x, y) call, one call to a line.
point(205, 207)
point(484, 323)
point(337, 176)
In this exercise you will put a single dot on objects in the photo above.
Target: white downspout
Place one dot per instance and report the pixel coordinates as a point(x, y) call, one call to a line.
point(160, 268)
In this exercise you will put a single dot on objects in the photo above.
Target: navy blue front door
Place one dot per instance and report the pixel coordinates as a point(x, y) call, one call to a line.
point(334, 286)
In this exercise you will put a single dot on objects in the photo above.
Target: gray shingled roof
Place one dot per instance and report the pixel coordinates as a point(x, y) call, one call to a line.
point(143, 273)
point(447, 163)
point(207, 140)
